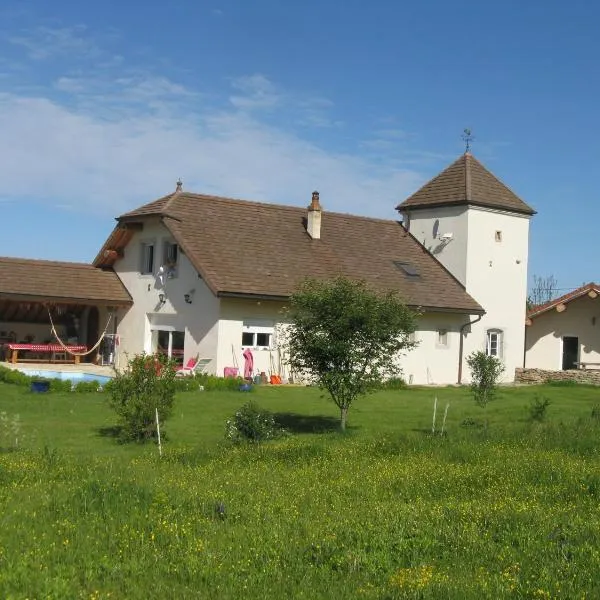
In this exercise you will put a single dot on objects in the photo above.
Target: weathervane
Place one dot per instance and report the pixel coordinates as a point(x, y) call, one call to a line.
point(467, 139)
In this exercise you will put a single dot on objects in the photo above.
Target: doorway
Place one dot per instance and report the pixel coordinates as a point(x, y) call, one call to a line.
point(570, 352)
point(169, 343)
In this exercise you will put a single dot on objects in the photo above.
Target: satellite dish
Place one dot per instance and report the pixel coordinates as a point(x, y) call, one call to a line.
point(436, 228)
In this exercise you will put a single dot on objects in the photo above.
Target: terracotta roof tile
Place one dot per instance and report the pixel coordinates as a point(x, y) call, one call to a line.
point(466, 181)
point(21, 277)
point(251, 248)
point(564, 299)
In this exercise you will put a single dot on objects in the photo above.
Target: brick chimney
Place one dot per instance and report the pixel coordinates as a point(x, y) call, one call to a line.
point(313, 223)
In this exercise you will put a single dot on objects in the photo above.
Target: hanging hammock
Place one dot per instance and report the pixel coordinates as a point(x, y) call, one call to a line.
point(66, 349)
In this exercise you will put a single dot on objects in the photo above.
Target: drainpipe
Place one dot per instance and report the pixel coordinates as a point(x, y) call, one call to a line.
point(460, 346)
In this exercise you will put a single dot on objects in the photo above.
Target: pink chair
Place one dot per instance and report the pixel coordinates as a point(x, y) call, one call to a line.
point(191, 363)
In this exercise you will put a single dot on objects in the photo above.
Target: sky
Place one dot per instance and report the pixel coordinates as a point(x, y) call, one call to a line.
point(104, 105)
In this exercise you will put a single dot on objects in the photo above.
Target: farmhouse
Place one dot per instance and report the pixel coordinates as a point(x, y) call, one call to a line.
point(209, 276)
point(563, 334)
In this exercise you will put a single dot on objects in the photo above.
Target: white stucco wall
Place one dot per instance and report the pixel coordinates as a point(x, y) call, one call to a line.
point(497, 279)
point(427, 225)
point(429, 362)
point(581, 319)
point(199, 320)
point(235, 313)
point(493, 272)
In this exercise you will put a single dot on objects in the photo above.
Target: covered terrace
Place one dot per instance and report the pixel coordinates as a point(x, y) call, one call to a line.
point(58, 311)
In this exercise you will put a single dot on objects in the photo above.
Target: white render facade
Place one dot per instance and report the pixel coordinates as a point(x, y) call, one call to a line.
point(486, 249)
point(222, 328)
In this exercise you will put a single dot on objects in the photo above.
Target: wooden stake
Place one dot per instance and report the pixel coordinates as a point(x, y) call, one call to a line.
point(158, 432)
point(434, 412)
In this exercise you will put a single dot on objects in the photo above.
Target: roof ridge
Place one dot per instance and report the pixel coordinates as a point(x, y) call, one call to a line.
point(468, 194)
point(66, 263)
point(568, 297)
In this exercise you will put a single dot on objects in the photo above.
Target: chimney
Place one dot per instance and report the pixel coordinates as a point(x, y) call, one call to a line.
point(179, 185)
point(313, 224)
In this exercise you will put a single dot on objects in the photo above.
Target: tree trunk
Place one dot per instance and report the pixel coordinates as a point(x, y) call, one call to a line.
point(343, 415)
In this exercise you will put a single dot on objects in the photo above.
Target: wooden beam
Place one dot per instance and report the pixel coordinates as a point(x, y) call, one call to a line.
point(561, 307)
point(528, 322)
point(592, 294)
point(132, 225)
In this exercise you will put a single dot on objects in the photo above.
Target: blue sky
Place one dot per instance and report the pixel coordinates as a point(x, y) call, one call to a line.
point(103, 105)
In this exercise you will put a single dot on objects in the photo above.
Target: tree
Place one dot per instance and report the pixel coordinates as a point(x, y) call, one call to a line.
point(347, 337)
point(485, 373)
point(543, 290)
point(147, 385)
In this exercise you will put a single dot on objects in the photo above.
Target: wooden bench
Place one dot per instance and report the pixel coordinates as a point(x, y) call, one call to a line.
point(584, 365)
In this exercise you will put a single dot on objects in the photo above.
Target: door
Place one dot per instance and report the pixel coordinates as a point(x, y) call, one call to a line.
point(570, 352)
point(170, 343)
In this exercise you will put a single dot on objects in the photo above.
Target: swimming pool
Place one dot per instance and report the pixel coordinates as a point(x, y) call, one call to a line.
point(72, 376)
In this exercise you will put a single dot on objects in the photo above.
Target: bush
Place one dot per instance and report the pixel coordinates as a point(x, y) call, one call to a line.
point(561, 382)
point(394, 383)
point(209, 383)
point(252, 424)
point(147, 385)
point(538, 407)
point(485, 373)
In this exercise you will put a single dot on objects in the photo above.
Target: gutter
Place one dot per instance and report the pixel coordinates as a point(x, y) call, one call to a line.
point(460, 346)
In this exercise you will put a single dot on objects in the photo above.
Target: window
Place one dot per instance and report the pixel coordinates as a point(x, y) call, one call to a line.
point(407, 268)
point(257, 336)
point(493, 342)
point(170, 256)
point(498, 236)
point(442, 337)
point(147, 255)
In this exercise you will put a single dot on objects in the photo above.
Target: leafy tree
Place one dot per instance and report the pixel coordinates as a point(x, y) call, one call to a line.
point(543, 290)
point(347, 337)
point(147, 385)
point(485, 373)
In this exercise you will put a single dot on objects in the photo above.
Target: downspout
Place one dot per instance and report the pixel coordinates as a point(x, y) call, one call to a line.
point(460, 346)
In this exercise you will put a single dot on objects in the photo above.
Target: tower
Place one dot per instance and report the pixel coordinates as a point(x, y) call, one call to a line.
point(479, 230)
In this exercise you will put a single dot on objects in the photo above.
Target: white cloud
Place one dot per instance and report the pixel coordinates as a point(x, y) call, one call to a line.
point(108, 144)
point(43, 43)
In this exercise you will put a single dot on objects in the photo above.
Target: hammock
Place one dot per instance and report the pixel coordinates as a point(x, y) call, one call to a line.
point(66, 349)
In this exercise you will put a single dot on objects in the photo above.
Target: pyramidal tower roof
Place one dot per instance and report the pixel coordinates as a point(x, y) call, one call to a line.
point(466, 181)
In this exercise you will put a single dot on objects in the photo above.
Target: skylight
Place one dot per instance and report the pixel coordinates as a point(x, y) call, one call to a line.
point(407, 268)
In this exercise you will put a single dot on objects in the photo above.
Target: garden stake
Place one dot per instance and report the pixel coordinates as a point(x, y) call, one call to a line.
point(158, 432)
point(445, 415)
point(434, 411)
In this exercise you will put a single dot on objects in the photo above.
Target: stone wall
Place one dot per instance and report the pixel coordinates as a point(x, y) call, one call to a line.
point(537, 376)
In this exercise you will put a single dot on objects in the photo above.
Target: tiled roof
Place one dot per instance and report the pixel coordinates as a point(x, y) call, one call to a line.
point(250, 248)
point(52, 280)
point(564, 299)
point(466, 181)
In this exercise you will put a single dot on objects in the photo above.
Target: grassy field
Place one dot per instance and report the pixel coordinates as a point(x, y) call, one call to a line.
point(385, 511)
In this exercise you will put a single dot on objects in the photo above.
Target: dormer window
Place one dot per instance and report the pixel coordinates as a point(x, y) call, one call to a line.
point(170, 258)
point(147, 258)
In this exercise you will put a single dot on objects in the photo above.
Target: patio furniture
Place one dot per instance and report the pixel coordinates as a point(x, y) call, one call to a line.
point(44, 349)
point(193, 366)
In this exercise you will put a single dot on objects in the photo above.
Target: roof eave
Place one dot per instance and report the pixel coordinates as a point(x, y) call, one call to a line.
point(19, 297)
point(406, 207)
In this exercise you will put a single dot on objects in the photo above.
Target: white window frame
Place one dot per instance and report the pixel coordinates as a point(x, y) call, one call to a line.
point(498, 334)
point(143, 262)
point(171, 270)
point(254, 330)
point(442, 338)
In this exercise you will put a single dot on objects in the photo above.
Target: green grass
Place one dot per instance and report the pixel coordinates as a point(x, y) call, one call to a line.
point(384, 511)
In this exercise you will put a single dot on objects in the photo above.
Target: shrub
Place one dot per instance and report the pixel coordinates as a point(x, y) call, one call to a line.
point(87, 386)
point(394, 383)
point(209, 383)
point(147, 385)
point(538, 407)
point(485, 373)
point(251, 423)
point(561, 382)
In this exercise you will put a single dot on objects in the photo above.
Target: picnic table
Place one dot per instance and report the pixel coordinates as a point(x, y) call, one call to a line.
point(583, 365)
point(39, 349)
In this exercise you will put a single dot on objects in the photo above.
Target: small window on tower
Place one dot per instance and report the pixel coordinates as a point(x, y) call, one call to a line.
point(498, 236)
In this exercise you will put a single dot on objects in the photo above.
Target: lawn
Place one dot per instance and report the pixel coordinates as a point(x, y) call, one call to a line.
point(386, 510)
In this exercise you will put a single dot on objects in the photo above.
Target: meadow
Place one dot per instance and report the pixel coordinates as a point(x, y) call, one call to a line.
point(386, 510)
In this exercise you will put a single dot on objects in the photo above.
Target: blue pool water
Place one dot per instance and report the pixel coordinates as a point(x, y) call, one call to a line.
point(74, 377)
